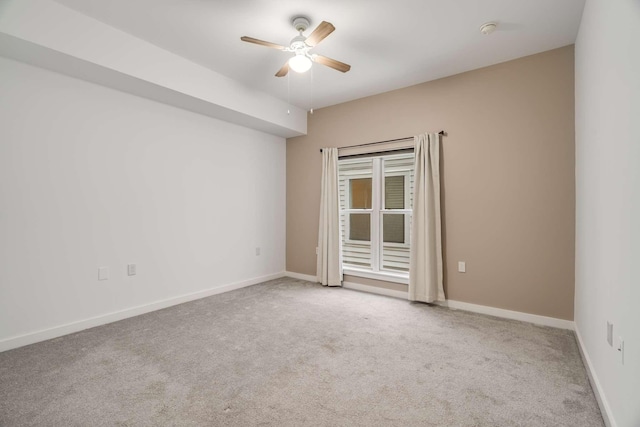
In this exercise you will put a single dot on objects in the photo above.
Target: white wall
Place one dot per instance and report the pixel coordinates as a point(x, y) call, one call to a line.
point(49, 35)
point(91, 177)
point(608, 200)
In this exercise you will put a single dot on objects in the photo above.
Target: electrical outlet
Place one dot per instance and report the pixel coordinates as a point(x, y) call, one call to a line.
point(610, 333)
point(131, 269)
point(462, 267)
point(103, 273)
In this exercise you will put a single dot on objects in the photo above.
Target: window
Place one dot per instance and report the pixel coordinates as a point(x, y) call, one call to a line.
point(376, 195)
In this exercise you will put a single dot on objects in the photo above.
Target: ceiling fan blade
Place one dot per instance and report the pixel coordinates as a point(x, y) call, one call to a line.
point(284, 70)
point(323, 30)
point(262, 42)
point(332, 63)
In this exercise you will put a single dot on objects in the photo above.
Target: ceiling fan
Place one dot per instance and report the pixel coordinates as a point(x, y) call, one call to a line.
point(301, 45)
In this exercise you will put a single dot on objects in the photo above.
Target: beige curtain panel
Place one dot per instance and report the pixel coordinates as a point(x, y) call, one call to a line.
point(329, 267)
point(425, 267)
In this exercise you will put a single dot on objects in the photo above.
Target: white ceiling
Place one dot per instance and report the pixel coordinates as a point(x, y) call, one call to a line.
point(388, 44)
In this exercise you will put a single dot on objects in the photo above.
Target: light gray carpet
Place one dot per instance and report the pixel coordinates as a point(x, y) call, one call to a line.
point(292, 353)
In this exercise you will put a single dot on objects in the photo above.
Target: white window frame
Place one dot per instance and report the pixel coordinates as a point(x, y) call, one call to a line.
point(407, 218)
point(347, 193)
point(376, 212)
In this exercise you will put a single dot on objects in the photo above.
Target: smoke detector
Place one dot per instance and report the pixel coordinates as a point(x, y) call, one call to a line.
point(488, 28)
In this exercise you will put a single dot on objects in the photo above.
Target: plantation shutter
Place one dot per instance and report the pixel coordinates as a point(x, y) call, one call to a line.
point(396, 188)
point(394, 192)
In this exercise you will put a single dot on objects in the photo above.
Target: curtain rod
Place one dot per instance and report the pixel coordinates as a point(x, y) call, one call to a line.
point(388, 140)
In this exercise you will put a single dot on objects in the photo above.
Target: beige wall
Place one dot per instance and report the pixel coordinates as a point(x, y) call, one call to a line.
point(508, 191)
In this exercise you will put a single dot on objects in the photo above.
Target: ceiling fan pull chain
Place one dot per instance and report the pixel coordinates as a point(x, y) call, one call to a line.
point(288, 96)
point(311, 89)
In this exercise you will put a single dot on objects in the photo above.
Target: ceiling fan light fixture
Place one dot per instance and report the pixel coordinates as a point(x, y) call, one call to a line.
point(300, 63)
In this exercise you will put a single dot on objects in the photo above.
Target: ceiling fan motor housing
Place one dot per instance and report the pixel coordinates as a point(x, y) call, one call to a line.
point(297, 43)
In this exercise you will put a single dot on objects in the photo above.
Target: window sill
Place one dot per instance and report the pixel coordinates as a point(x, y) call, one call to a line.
point(377, 275)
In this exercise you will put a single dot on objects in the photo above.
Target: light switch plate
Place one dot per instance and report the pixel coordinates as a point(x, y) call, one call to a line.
point(103, 273)
point(462, 267)
point(132, 269)
point(610, 333)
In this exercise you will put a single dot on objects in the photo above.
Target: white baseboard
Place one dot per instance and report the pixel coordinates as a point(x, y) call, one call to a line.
point(351, 285)
point(69, 328)
point(455, 305)
point(508, 314)
point(300, 276)
point(376, 290)
point(605, 409)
